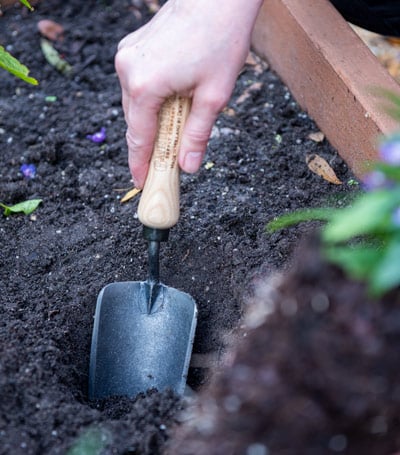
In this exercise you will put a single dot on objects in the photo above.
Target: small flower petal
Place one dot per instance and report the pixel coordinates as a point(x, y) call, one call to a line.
point(375, 180)
point(28, 170)
point(98, 137)
point(390, 151)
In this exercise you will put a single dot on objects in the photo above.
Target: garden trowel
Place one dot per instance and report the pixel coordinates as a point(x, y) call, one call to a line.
point(143, 330)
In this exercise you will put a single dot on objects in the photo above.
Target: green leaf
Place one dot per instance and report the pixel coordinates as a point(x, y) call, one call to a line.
point(390, 171)
point(26, 207)
point(358, 261)
point(387, 273)
point(13, 66)
point(27, 4)
point(367, 215)
point(290, 219)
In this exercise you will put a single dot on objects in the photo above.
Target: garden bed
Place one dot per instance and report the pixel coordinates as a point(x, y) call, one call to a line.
point(55, 262)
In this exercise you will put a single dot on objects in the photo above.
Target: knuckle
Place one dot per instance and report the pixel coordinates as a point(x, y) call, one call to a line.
point(198, 136)
point(137, 87)
point(216, 101)
point(121, 44)
point(134, 141)
point(127, 73)
point(138, 82)
point(138, 146)
point(121, 60)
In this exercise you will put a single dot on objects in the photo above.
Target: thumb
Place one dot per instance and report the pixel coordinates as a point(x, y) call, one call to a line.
point(197, 132)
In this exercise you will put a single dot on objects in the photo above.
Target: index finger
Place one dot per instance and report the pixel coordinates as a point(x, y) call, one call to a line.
point(141, 116)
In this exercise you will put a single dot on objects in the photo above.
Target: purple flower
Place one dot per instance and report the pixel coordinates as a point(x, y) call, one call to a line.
point(396, 217)
point(98, 137)
point(28, 170)
point(375, 180)
point(390, 151)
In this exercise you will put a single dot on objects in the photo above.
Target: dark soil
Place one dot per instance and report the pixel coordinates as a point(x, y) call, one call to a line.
point(318, 375)
point(55, 262)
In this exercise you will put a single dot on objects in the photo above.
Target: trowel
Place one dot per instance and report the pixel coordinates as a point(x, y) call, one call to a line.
point(144, 330)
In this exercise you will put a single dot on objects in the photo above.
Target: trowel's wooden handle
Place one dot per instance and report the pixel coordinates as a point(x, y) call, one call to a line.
point(159, 203)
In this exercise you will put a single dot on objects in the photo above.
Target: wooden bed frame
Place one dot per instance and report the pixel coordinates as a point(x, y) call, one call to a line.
point(330, 72)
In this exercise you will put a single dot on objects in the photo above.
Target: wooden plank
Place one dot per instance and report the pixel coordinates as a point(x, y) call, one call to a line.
point(329, 71)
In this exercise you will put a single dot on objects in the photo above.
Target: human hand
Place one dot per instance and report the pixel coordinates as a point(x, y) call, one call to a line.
point(190, 47)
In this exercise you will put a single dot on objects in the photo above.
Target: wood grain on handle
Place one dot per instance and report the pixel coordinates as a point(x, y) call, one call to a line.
point(159, 203)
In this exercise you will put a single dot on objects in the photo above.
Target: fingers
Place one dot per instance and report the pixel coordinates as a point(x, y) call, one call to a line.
point(204, 111)
point(142, 121)
point(141, 114)
point(142, 97)
point(141, 107)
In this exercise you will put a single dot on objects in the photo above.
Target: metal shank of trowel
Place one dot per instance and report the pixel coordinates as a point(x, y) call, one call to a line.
point(154, 237)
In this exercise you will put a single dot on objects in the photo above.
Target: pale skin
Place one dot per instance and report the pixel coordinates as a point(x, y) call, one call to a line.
point(195, 48)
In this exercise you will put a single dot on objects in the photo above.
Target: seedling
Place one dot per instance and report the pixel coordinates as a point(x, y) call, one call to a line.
point(26, 207)
point(14, 66)
point(27, 4)
point(364, 237)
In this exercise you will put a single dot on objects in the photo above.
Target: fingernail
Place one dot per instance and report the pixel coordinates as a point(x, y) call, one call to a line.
point(192, 161)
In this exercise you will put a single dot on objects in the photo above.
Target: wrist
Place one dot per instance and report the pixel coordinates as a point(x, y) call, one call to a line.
point(246, 10)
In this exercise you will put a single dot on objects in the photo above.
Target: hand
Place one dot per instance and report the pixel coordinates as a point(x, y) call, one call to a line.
point(191, 47)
